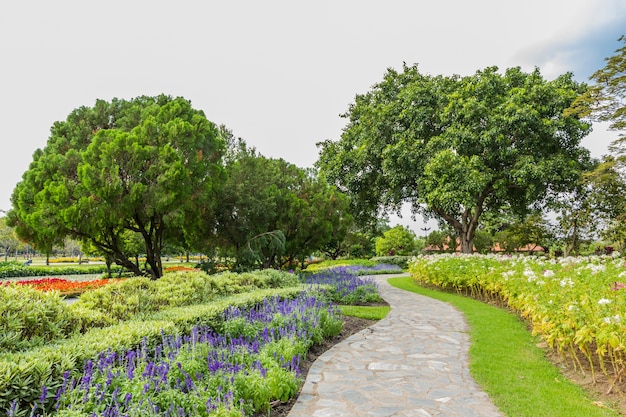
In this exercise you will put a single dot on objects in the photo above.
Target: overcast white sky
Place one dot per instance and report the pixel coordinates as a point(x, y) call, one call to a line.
point(277, 73)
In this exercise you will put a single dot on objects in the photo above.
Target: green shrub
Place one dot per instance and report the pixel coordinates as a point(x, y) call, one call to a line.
point(124, 300)
point(23, 374)
point(30, 318)
point(13, 269)
point(401, 261)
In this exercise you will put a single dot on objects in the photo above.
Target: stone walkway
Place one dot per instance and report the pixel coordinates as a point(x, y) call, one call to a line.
point(413, 363)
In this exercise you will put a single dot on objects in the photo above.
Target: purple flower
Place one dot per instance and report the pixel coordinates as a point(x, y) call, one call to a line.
point(44, 395)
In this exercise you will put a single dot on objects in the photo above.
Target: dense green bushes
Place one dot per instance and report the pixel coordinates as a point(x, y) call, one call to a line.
point(22, 374)
point(120, 301)
point(401, 261)
point(32, 318)
point(13, 269)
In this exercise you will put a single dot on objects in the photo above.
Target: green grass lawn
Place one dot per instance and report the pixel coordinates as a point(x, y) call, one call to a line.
point(506, 362)
point(365, 312)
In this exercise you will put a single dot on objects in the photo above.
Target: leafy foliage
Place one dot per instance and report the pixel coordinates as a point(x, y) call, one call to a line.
point(145, 167)
point(455, 147)
point(398, 240)
point(605, 99)
point(273, 213)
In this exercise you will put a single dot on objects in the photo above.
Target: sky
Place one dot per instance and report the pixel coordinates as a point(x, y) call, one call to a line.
point(277, 73)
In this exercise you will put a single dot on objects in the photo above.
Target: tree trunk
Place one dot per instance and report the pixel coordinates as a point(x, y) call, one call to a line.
point(570, 248)
point(108, 261)
point(467, 243)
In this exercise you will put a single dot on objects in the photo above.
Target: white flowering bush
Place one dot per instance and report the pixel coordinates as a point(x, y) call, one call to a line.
point(574, 304)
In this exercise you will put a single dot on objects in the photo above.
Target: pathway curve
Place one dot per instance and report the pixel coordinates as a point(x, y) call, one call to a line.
point(413, 363)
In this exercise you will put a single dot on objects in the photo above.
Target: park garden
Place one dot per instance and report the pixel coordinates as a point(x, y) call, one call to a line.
point(190, 343)
point(495, 157)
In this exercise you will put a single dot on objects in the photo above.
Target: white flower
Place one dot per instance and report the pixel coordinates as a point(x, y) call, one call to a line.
point(604, 301)
point(617, 318)
point(567, 281)
point(548, 273)
point(607, 320)
point(595, 268)
point(571, 307)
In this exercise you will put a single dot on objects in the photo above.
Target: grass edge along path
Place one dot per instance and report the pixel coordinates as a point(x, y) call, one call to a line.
point(507, 364)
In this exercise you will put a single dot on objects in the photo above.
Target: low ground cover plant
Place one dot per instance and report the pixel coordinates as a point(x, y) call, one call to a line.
point(65, 287)
point(345, 286)
point(253, 360)
point(576, 305)
point(25, 373)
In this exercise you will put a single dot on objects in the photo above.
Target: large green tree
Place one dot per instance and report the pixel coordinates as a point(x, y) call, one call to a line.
point(454, 147)
point(398, 240)
point(274, 213)
point(146, 166)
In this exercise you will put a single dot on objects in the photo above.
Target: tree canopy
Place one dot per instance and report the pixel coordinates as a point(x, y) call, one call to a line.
point(146, 166)
point(455, 147)
point(272, 213)
point(398, 240)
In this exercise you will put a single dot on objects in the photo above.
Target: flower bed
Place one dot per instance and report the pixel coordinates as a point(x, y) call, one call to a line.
point(577, 305)
point(345, 286)
point(64, 286)
point(253, 361)
point(277, 330)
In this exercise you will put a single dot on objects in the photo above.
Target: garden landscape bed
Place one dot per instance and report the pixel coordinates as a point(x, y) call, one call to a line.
point(137, 327)
point(574, 308)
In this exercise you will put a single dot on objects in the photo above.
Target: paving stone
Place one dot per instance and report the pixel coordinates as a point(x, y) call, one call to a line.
point(413, 363)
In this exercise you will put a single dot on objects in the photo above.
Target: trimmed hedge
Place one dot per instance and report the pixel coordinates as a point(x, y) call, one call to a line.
point(31, 318)
point(13, 269)
point(23, 374)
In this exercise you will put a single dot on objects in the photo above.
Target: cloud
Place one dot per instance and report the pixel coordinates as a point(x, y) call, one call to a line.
point(581, 45)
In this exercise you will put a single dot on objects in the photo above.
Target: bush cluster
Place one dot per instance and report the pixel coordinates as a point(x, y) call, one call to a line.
point(401, 261)
point(32, 318)
point(13, 269)
point(22, 374)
